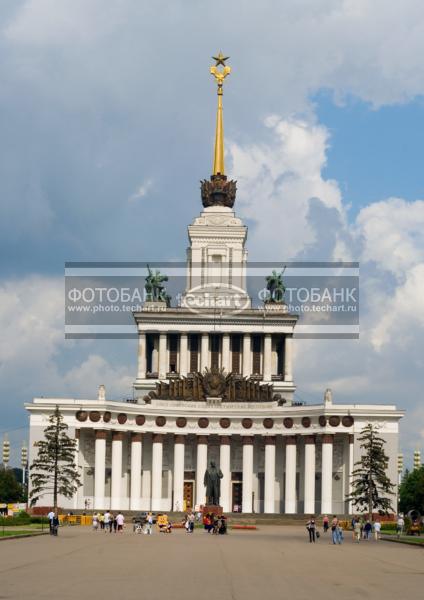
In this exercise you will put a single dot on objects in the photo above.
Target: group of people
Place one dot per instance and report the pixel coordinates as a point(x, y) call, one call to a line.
point(363, 528)
point(215, 524)
point(336, 529)
point(109, 522)
point(53, 522)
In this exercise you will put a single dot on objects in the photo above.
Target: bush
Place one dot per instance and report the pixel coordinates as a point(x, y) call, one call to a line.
point(22, 518)
point(40, 520)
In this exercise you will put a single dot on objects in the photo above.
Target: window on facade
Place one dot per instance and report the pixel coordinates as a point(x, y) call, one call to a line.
point(256, 354)
point(173, 352)
point(214, 342)
point(194, 353)
point(235, 353)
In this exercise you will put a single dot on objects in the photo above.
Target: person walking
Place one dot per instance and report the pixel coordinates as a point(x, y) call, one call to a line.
point(120, 520)
point(367, 530)
point(191, 519)
point(353, 523)
point(50, 517)
point(339, 534)
point(377, 530)
point(357, 530)
point(334, 529)
point(325, 523)
point(400, 525)
point(311, 527)
point(102, 517)
point(55, 524)
point(149, 523)
point(95, 522)
point(106, 521)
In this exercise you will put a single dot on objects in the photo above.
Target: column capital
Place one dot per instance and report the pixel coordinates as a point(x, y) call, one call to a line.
point(309, 439)
point(179, 439)
point(157, 438)
point(327, 438)
point(290, 440)
point(270, 440)
point(247, 440)
point(117, 436)
point(202, 439)
point(136, 437)
point(100, 434)
point(225, 440)
point(351, 438)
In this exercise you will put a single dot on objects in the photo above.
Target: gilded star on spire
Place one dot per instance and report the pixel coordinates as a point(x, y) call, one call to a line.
point(220, 59)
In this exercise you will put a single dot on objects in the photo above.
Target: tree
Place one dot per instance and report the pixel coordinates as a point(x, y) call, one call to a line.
point(371, 486)
point(10, 488)
point(54, 470)
point(411, 491)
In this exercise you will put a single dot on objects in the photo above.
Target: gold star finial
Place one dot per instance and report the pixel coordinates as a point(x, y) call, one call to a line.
point(220, 59)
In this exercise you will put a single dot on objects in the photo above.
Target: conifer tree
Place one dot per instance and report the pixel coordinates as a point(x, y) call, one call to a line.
point(54, 470)
point(371, 486)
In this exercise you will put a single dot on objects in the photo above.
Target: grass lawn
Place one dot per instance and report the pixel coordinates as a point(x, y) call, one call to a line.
point(11, 532)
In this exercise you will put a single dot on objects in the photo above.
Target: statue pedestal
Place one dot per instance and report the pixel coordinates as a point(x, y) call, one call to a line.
point(212, 509)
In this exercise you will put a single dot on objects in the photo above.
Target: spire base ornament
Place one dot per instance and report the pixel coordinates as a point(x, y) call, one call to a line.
point(218, 191)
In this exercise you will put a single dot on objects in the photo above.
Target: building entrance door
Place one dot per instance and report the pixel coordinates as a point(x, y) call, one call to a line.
point(188, 495)
point(237, 496)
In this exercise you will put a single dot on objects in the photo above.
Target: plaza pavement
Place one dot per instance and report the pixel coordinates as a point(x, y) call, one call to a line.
point(272, 562)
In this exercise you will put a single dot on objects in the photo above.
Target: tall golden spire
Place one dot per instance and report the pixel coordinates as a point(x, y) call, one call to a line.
point(220, 75)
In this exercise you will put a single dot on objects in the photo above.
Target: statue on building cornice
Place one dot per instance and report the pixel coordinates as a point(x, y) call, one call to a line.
point(275, 287)
point(155, 290)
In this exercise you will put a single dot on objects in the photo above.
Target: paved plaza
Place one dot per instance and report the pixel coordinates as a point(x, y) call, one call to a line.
point(272, 562)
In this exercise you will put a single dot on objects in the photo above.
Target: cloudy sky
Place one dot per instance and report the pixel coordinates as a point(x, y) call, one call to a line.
point(107, 119)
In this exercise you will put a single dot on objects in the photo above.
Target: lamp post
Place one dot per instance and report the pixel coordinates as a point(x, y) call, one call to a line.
point(6, 451)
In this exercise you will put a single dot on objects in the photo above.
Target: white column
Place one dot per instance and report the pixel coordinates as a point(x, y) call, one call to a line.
point(269, 504)
point(267, 357)
point(327, 474)
point(204, 352)
point(136, 456)
point(116, 486)
point(178, 473)
point(155, 354)
point(350, 470)
point(163, 356)
point(290, 500)
point(157, 454)
point(202, 463)
point(225, 362)
point(146, 483)
point(99, 469)
point(225, 466)
point(183, 354)
point(141, 373)
point(247, 355)
point(246, 503)
point(288, 343)
point(309, 489)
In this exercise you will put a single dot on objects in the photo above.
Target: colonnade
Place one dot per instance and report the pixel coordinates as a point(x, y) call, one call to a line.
point(290, 469)
point(267, 365)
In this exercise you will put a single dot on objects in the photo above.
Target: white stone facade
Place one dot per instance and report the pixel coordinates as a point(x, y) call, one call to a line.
point(276, 456)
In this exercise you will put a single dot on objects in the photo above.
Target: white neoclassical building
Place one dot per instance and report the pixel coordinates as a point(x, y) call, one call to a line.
point(215, 382)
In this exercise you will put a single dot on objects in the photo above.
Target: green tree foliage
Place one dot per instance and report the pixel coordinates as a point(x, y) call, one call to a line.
point(371, 486)
point(54, 470)
point(411, 491)
point(10, 488)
